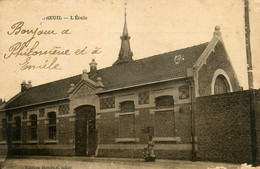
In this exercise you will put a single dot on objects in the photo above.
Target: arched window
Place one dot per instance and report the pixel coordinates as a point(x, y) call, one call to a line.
point(33, 119)
point(164, 101)
point(17, 129)
point(127, 106)
point(52, 125)
point(221, 85)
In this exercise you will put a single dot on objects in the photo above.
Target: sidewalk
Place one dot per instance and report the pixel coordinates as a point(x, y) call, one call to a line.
point(57, 162)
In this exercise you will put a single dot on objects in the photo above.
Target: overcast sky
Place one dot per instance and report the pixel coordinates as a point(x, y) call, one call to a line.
point(154, 26)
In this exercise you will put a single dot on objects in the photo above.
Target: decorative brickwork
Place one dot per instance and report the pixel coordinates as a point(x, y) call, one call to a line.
point(25, 115)
point(184, 92)
point(64, 109)
point(41, 112)
point(143, 98)
point(107, 103)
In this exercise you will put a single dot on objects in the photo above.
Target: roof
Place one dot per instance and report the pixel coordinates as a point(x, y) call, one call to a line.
point(151, 69)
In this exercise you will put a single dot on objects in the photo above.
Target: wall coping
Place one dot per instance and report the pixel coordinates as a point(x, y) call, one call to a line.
point(164, 139)
point(51, 141)
point(118, 140)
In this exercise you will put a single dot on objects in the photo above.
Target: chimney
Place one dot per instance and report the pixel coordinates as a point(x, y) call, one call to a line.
point(93, 66)
point(29, 85)
point(23, 86)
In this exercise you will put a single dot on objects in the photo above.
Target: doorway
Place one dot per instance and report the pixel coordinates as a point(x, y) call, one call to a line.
point(85, 131)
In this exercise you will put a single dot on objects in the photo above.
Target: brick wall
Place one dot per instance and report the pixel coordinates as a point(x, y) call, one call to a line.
point(257, 113)
point(223, 127)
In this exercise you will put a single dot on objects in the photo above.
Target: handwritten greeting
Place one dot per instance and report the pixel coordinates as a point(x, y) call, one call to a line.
point(29, 48)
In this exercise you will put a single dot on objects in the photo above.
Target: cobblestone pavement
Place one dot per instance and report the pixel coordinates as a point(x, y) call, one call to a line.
point(107, 163)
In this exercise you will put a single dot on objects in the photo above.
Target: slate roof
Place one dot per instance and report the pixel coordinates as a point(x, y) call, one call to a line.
point(151, 69)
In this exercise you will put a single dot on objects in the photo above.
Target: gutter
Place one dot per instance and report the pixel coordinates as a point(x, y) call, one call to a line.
point(107, 91)
point(35, 104)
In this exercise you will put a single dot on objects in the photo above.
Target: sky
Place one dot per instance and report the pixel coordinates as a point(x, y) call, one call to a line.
point(154, 26)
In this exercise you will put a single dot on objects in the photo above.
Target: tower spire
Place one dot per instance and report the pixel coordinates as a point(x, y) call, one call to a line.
point(125, 32)
point(125, 53)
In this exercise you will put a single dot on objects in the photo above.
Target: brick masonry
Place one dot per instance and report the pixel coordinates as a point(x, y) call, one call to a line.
point(217, 60)
point(223, 127)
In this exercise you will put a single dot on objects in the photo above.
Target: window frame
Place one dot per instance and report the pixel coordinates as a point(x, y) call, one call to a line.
point(221, 85)
point(17, 132)
point(52, 126)
point(157, 100)
point(126, 109)
point(33, 128)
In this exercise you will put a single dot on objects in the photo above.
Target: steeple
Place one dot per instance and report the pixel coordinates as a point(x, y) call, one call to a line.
point(125, 53)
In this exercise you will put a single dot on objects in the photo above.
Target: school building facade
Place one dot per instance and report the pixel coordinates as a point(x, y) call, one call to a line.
point(109, 112)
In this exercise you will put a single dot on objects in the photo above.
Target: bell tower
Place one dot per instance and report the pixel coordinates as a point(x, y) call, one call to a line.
point(125, 53)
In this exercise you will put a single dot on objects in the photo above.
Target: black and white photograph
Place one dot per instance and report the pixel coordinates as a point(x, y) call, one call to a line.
point(104, 84)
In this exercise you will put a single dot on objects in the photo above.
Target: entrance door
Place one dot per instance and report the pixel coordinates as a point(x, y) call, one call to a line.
point(85, 131)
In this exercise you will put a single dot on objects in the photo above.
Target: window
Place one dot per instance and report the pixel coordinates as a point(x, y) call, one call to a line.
point(64, 109)
point(127, 126)
point(127, 120)
point(221, 85)
point(164, 101)
point(17, 129)
point(164, 124)
point(184, 92)
point(107, 103)
point(52, 125)
point(143, 98)
point(42, 112)
point(127, 106)
point(33, 119)
point(4, 129)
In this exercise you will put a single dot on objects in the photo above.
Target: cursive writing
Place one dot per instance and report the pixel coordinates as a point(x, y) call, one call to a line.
point(47, 65)
point(17, 29)
point(23, 49)
point(32, 47)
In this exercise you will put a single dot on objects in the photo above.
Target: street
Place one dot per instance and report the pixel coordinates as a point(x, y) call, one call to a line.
point(107, 163)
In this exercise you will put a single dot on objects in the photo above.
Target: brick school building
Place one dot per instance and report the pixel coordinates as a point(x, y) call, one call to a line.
point(109, 112)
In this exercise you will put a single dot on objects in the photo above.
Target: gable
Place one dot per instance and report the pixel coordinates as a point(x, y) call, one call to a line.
point(217, 61)
point(83, 91)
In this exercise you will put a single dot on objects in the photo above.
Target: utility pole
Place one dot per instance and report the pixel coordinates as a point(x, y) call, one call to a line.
point(248, 47)
point(250, 86)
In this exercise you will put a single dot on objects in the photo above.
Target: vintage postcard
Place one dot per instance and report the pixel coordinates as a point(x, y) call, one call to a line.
point(116, 83)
